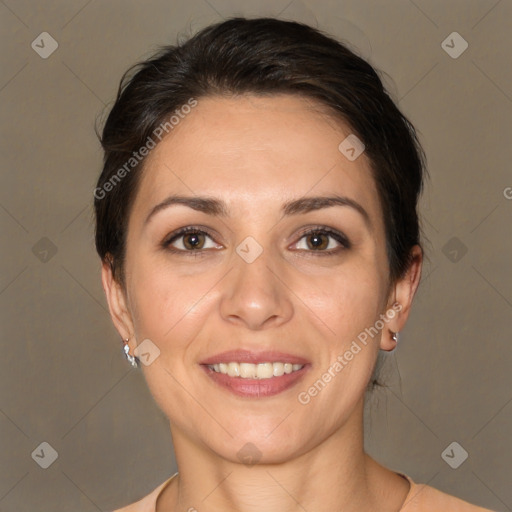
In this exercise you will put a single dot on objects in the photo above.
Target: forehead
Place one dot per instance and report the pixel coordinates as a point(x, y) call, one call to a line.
point(253, 149)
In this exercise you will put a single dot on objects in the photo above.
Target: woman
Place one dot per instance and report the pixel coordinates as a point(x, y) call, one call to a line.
point(257, 223)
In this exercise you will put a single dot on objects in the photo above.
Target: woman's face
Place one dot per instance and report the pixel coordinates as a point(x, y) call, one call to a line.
point(248, 277)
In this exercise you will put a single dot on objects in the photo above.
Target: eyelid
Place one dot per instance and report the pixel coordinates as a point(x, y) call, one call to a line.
point(180, 232)
point(338, 236)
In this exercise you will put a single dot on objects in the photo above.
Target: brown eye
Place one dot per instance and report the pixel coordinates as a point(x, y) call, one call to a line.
point(193, 240)
point(190, 240)
point(317, 240)
point(323, 241)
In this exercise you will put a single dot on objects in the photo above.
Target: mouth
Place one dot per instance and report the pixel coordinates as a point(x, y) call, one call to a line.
point(255, 371)
point(255, 375)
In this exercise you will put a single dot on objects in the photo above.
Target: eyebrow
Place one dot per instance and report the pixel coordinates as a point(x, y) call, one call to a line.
point(218, 208)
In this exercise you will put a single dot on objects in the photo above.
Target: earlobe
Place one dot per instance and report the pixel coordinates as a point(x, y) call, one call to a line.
point(390, 344)
point(116, 302)
point(404, 291)
point(389, 338)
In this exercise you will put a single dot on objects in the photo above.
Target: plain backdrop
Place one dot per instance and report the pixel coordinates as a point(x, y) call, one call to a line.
point(64, 380)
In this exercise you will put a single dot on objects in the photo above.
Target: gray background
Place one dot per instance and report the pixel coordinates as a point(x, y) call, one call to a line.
point(64, 379)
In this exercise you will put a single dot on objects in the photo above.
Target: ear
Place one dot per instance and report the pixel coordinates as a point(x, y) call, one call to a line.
point(400, 299)
point(117, 303)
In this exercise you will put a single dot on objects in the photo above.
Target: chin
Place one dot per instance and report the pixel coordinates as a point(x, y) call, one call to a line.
point(261, 448)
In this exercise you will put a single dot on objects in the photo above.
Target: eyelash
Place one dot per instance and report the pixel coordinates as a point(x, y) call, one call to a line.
point(324, 230)
point(339, 237)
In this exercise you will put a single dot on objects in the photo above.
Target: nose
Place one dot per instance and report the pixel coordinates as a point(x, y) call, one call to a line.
point(255, 295)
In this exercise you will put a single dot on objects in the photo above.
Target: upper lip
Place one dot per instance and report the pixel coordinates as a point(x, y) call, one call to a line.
point(247, 356)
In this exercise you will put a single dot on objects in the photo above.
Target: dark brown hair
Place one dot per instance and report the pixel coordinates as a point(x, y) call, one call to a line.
point(260, 56)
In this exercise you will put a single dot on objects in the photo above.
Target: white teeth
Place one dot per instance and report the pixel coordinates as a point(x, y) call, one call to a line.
point(265, 370)
point(278, 369)
point(234, 370)
point(255, 371)
point(248, 371)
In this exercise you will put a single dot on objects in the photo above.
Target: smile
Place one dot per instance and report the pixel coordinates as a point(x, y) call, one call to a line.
point(255, 371)
point(259, 380)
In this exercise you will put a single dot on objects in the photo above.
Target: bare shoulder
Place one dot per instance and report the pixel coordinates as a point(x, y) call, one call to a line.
point(148, 503)
point(142, 505)
point(424, 498)
point(128, 508)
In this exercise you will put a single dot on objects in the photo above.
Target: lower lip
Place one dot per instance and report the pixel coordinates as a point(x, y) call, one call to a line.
point(256, 388)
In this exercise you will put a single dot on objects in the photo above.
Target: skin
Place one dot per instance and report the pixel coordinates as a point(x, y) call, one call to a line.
point(256, 153)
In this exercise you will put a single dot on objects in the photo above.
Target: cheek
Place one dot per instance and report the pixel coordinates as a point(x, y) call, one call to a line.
point(166, 306)
point(347, 301)
point(350, 305)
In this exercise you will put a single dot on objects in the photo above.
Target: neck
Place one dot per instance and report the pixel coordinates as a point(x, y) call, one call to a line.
point(335, 475)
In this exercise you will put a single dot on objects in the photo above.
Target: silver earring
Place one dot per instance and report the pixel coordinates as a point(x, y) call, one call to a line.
point(395, 337)
point(131, 359)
